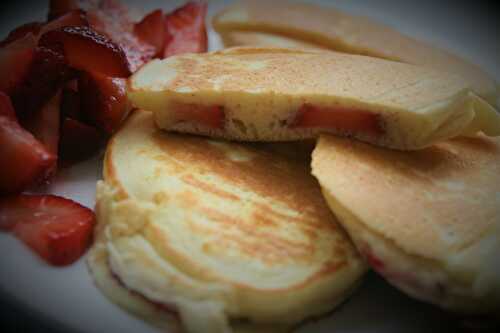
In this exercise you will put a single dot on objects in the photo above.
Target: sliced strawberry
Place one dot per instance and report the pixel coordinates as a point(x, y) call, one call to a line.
point(104, 100)
point(6, 108)
point(59, 230)
point(185, 29)
point(47, 73)
point(111, 18)
point(85, 49)
point(151, 30)
point(22, 31)
point(349, 121)
point(23, 159)
point(78, 141)
point(210, 116)
point(44, 124)
point(15, 62)
point(60, 7)
point(74, 18)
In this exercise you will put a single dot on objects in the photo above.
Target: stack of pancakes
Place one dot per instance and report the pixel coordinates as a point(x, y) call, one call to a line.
point(209, 222)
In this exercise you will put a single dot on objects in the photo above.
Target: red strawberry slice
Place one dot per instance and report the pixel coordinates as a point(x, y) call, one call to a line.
point(22, 31)
point(185, 29)
point(85, 49)
point(24, 160)
point(72, 18)
point(6, 108)
point(15, 61)
point(59, 230)
point(111, 18)
point(47, 73)
point(78, 141)
point(151, 30)
point(104, 100)
point(44, 125)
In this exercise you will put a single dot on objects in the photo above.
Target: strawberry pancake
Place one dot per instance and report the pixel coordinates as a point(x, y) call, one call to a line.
point(219, 235)
point(274, 94)
point(282, 23)
point(427, 221)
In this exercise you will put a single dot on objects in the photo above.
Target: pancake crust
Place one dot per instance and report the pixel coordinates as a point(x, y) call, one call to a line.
point(339, 31)
point(250, 38)
point(428, 220)
point(220, 231)
point(262, 90)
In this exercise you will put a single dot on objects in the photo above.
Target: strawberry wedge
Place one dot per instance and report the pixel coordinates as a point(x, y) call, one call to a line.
point(104, 100)
point(22, 31)
point(185, 30)
point(24, 160)
point(47, 72)
point(57, 229)
point(151, 29)
point(15, 62)
point(44, 124)
point(74, 18)
point(111, 18)
point(85, 49)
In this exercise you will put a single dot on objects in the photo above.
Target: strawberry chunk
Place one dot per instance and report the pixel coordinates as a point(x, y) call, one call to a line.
point(111, 19)
point(71, 18)
point(44, 125)
point(47, 73)
point(15, 62)
point(185, 30)
point(210, 116)
point(151, 29)
point(78, 141)
point(6, 108)
point(344, 120)
point(85, 49)
point(22, 31)
point(59, 230)
point(74, 18)
point(24, 160)
point(104, 100)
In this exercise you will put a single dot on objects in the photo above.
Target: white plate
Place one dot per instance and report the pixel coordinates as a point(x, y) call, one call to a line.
point(67, 298)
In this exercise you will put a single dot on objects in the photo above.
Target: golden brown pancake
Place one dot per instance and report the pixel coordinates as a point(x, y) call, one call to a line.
point(250, 38)
point(217, 232)
point(428, 221)
point(330, 28)
point(277, 94)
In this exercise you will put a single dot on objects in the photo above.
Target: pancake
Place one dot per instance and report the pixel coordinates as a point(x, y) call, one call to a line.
point(250, 38)
point(428, 221)
point(223, 235)
point(330, 28)
point(274, 94)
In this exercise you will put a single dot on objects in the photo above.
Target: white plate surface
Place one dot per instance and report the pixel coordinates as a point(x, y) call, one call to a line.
point(67, 298)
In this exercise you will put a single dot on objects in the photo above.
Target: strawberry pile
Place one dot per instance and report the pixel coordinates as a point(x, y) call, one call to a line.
point(62, 93)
